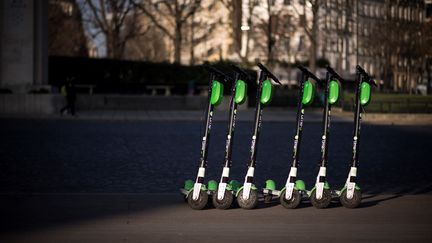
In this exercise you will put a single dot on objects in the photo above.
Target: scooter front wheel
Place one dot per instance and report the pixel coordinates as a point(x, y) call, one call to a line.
point(225, 203)
point(200, 202)
point(353, 202)
point(249, 203)
point(291, 203)
point(323, 202)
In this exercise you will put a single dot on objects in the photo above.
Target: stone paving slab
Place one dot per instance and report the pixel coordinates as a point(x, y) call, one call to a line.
point(166, 218)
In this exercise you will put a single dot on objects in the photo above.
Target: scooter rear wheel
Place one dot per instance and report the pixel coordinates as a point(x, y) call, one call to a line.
point(323, 202)
point(225, 203)
point(249, 203)
point(353, 202)
point(200, 203)
point(293, 202)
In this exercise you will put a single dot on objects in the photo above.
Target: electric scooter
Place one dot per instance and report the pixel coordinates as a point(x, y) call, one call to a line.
point(247, 196)
point(321, 195)
point(197, 193)
point(291, 195)
point(224, 196)
point(350, 196)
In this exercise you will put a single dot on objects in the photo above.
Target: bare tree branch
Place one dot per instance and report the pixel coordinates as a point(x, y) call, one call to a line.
point(96, 15)
point(154, 20)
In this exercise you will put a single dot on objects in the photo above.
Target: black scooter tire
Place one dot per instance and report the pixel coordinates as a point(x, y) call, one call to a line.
point(225, 203)
point(200, 203)
point(353, 202)
point(323, 202)
point(249, 203)
point(293, 202)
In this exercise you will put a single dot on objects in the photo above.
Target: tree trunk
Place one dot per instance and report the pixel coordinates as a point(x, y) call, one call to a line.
point(177, 43)
point(236, 19)
point(109, 45)
point(271, 23)
point(269, 41)
point(429, 75)
point(192, 42)
point(314, 36)
point(117, 51)
point(312, 56)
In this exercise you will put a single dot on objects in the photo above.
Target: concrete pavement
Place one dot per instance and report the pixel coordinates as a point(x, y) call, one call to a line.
point(166, 218)
point(79, 156)
point(65, 180)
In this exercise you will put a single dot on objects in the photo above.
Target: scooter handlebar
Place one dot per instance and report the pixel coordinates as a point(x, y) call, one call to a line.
point(241, 71)
point(366, 75)
point(217, 72)
point(361, 70)
point(270, 74)
point(334, 74)
point(310, 74)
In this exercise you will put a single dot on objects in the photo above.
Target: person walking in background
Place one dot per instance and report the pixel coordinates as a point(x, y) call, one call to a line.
point(68, 90)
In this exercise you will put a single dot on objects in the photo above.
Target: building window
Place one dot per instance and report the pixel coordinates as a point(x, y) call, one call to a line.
point(302, 21)
point(301, 43)
point(328, 23)
point(429, 10)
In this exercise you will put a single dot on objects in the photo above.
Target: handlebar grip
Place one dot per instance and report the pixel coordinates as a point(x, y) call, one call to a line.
point(334, 74)
point(372, 81)
point(270, 74)
point(361, 70)
point(367, 76)
point(310, 74)
point(241, 71)
point(217, 72)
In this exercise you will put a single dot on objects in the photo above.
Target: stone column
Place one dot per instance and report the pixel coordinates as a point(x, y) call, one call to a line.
point(40, 43)
point(23, 51)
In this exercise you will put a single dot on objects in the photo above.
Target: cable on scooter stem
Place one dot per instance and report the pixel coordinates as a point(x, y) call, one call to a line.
point(366, 75)
point(268, 73)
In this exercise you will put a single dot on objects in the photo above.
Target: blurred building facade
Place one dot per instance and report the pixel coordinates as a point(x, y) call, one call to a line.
point(277, 30)
point(385, 37)
point(66, 35)
point(390, 39)
point(205, 36)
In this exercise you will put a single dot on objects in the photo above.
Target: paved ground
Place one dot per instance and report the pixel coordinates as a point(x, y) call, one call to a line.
point(164, 218)
point(118, 181)
point(157, 156)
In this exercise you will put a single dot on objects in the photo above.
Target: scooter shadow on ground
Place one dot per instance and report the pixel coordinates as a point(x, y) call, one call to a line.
point(306, 204)
point(375, 202)
point(425, 190)
point(263, 205)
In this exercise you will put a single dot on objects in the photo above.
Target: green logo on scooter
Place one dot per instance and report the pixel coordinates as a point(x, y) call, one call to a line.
point(216, 93)
point(308, 93)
